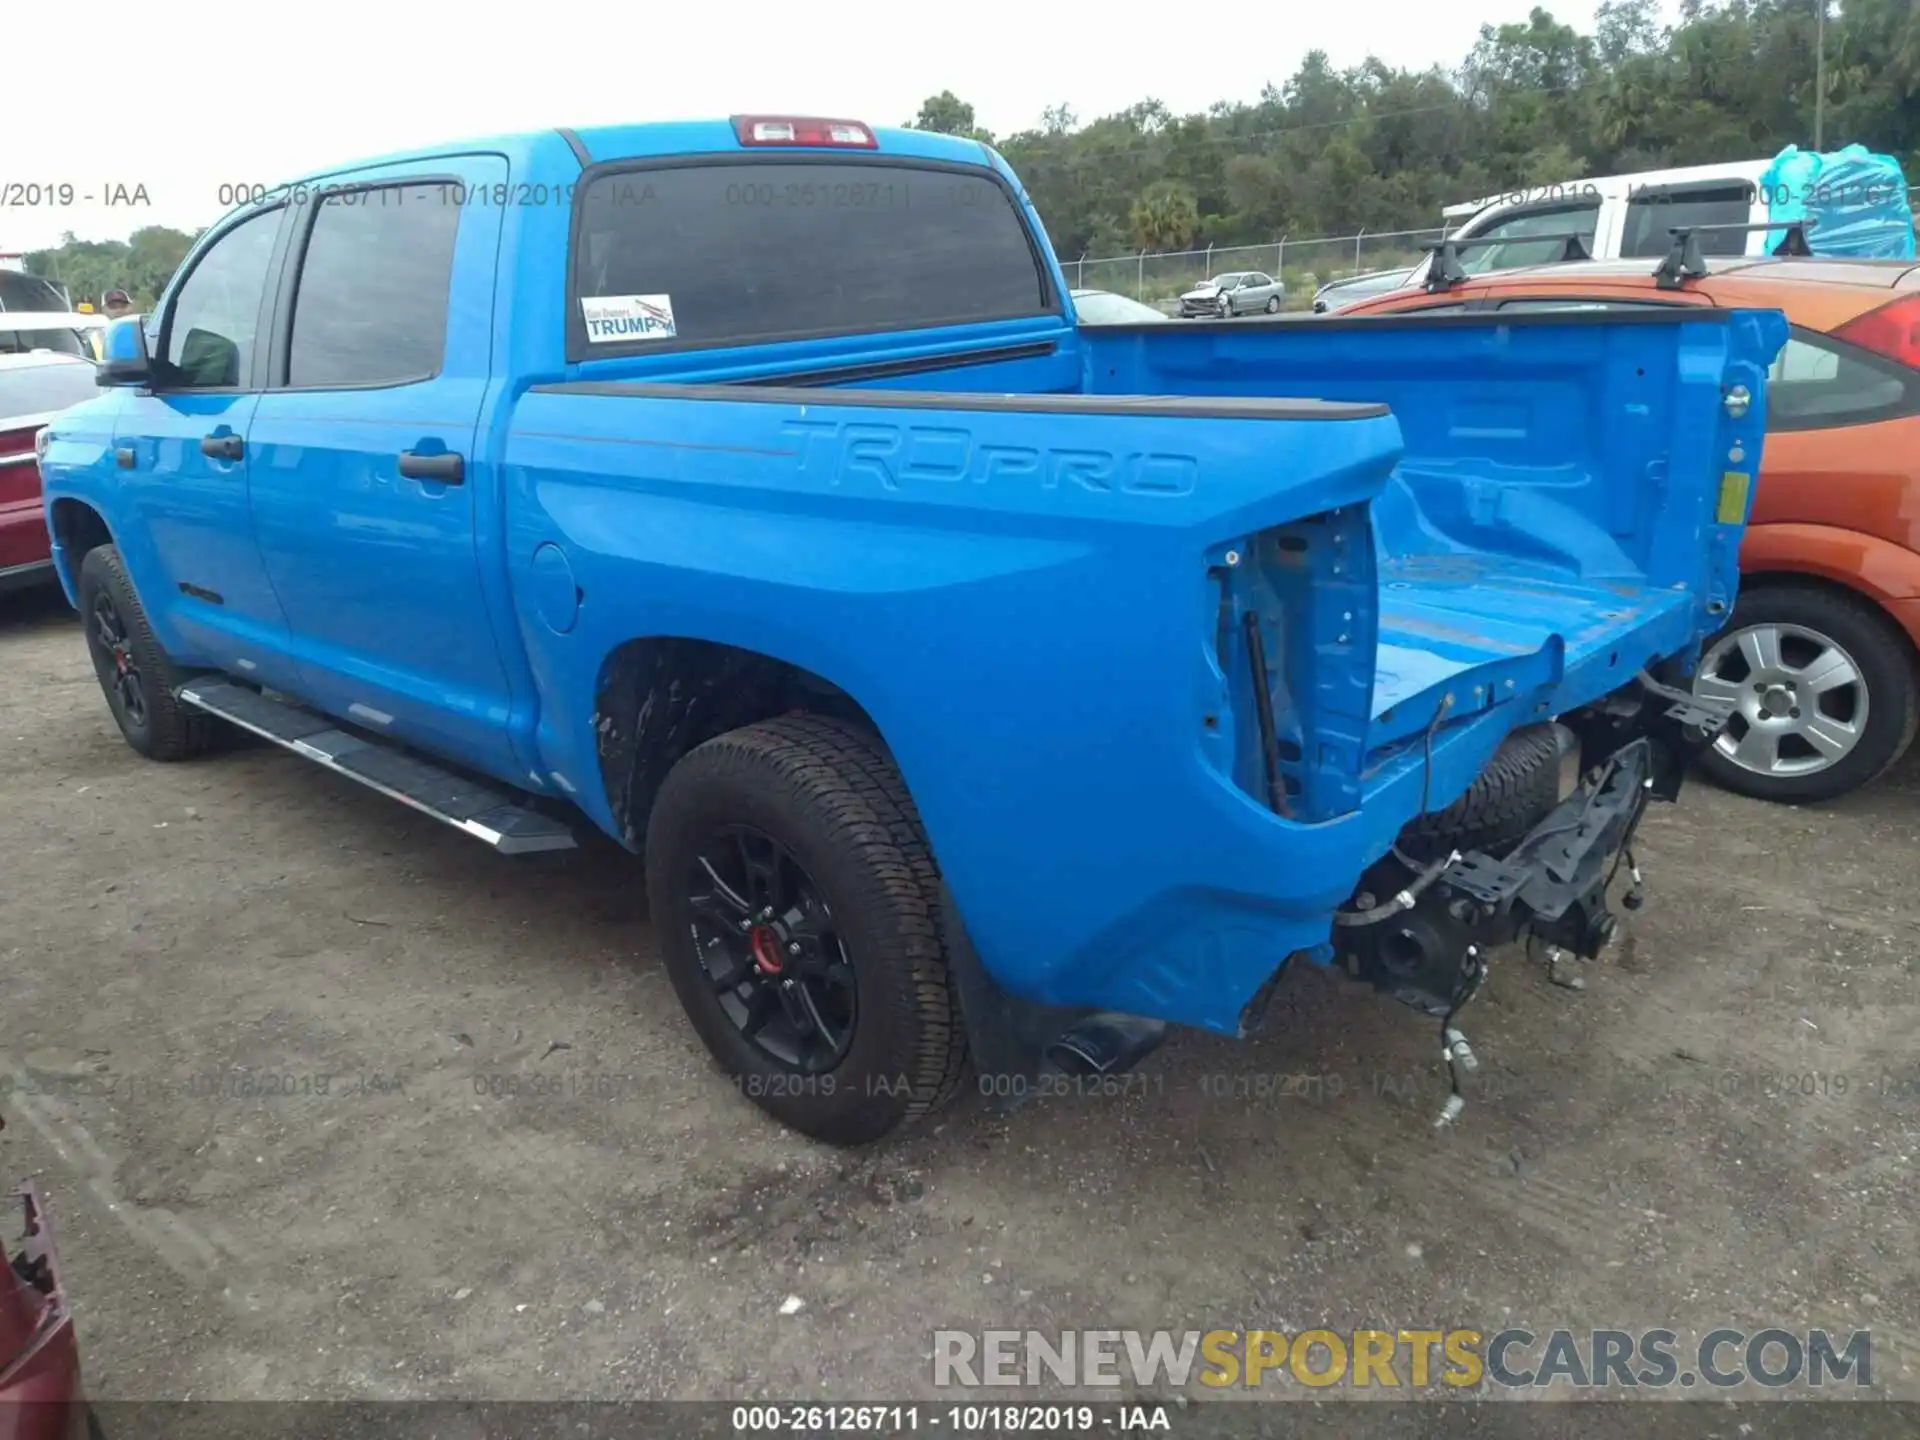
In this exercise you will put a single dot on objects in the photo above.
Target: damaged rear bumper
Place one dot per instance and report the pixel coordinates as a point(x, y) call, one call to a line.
point(1553, 885)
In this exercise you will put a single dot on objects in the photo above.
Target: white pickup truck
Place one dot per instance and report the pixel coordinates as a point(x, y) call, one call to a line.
point(1614, 216)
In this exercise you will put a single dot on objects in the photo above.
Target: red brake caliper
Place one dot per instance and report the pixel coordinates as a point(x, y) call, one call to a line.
point(765, 944)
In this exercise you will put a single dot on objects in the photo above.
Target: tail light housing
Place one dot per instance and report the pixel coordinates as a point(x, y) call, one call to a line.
point(798, 130)
point(1892, 331)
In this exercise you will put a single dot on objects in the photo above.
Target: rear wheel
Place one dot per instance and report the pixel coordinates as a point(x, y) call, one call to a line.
point(1823, 689)
point(796, 903)
point(1273, 304)
point(135, 674)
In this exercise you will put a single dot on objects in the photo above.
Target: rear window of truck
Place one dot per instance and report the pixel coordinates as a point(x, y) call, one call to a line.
point(730, 253)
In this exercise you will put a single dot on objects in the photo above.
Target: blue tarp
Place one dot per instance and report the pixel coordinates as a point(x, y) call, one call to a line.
point(1855, 199)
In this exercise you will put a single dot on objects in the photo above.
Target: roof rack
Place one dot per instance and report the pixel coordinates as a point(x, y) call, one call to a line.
point(1684, 261)
point(1447, 272)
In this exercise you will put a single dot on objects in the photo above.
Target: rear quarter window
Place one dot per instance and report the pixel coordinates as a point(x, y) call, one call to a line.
point(1817, 383)
point(750, 251)
point(1653, 214)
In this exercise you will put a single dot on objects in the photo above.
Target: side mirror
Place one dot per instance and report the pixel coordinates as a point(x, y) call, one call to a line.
point(123, 354)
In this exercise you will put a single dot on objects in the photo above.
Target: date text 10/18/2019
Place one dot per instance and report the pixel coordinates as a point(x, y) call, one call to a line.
point(809, 1418)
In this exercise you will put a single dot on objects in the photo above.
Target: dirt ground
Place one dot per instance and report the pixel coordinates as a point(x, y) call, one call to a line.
point(1722, 1129)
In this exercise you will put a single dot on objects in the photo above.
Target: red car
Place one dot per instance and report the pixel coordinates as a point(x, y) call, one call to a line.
point(34, 387)
point(40, 1396)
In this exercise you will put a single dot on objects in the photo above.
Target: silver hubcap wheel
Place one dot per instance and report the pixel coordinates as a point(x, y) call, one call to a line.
point(1800, 702)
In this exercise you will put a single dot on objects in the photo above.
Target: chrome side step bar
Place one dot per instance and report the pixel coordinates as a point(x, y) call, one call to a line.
point(452, 799)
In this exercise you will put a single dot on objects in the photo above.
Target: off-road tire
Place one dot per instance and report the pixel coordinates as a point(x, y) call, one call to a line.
point(1519, 786)
point(830, 794)
point(170, 729)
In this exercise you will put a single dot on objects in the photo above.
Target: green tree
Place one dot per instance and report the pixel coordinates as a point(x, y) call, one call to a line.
point(1329, 149)
point(141, 264)
point(949, 115)
point(1165, 217)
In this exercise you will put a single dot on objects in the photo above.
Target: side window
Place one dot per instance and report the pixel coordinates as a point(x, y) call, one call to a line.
point(1516, 247)
point(21, 291)
point(1815, 384)
point(371, 303)
point(1259, 279)
point(1651, 214)
point(212, 329)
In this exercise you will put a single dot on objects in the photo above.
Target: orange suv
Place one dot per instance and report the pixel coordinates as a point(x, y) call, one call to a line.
point(1823, 647)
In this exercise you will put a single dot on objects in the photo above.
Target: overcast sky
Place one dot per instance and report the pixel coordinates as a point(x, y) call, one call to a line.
point(181, 96)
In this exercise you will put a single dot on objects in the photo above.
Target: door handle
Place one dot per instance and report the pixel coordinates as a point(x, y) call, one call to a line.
point(123, 457)
point(222, 447)
point(446, 469)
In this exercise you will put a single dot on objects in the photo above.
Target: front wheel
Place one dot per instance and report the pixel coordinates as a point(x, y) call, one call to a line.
point(796, 903)
point(1823, 689)
point(134, 672)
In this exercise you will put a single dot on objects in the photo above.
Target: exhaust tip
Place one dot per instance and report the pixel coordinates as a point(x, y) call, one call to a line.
point(1106, 1044)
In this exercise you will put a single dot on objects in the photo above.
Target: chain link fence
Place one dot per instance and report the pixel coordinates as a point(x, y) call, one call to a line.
point(1159, 277)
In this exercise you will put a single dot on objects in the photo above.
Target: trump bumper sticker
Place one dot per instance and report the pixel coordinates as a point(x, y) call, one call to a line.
point(614, 319)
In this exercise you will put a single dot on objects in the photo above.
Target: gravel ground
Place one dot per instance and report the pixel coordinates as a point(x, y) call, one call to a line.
point(525, 1180)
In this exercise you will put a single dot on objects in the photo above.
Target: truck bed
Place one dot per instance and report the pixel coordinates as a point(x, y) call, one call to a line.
point(1529, 521)
point(1441, 619)
point(1531, 513)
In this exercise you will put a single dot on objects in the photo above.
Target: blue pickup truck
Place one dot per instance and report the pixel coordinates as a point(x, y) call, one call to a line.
point(980, 692)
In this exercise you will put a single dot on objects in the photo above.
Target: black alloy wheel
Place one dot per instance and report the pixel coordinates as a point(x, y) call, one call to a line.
point(771, 950)
point(115, 662)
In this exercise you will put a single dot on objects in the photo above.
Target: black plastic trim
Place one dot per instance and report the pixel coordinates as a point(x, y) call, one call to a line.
point(1051, 302)
point(918, 365)
point(1219, 407)
point(446, 468)
point(577, 145)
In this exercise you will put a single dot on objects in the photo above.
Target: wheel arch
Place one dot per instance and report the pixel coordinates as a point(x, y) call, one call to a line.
point(1846, 562)
point(1901, 616)
point(75, 528)
point(658, 696)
